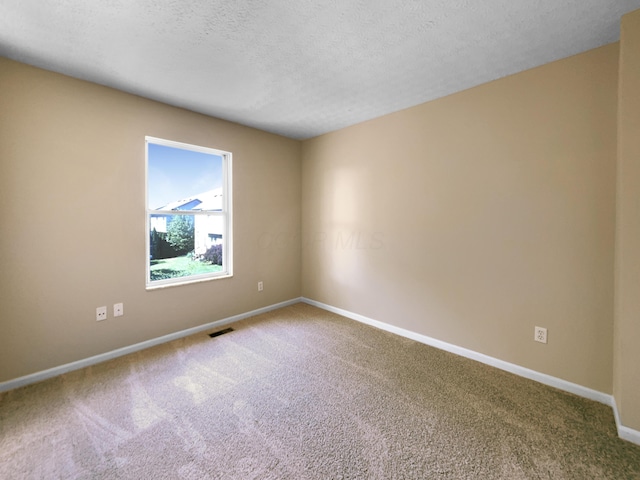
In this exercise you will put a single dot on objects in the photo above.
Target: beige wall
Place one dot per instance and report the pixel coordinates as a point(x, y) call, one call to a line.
point(627, 323)
point(475, 217)
point(72, 213)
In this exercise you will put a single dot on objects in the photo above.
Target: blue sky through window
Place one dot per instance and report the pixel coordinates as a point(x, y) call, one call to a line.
point(175, 174)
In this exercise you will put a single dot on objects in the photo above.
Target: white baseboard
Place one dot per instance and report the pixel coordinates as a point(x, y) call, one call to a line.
point(625, 433)
point(52, 372)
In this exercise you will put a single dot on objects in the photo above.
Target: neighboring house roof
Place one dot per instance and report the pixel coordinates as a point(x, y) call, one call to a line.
point(211, 201)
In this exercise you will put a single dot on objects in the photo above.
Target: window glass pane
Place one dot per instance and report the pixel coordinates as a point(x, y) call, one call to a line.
point(185, 245)
point(180, 179)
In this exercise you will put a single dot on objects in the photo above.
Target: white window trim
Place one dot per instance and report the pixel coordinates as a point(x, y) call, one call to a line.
point(227, 214)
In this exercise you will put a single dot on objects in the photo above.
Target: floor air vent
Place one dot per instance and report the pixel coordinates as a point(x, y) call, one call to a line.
point(221, 332)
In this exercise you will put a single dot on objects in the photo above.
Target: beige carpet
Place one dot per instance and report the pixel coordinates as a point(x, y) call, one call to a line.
point(300, 393)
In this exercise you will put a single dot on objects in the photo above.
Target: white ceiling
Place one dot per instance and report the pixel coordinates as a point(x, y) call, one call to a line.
point(301, 68)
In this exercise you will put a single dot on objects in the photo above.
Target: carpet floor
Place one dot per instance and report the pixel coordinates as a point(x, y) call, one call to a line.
point(300, 393)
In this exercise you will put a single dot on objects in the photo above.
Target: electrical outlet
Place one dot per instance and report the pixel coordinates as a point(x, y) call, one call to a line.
point(101, 313)
point(118, 309)
point(540, 335)
point(260, 286)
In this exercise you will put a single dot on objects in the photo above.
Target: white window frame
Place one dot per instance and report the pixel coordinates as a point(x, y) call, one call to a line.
point(225, 213)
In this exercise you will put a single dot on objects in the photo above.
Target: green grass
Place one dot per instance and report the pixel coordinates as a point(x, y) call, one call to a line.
point(180, 267)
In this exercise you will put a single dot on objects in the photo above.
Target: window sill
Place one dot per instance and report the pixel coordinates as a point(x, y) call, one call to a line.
point(186, 282)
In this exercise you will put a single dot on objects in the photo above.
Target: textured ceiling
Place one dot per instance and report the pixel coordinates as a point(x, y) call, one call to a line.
point(300, 68)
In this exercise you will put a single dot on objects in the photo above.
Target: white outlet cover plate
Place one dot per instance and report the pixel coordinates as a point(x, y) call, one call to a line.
point(540, 334)
point(118, 309)
point(101, 313)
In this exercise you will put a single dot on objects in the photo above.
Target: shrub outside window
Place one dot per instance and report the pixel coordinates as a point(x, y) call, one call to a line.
point(188, 213)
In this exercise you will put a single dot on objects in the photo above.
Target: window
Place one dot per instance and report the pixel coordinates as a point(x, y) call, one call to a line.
point(188, 209)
